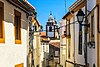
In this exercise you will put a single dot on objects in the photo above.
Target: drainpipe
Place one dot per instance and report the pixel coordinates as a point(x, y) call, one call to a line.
point(85, 35)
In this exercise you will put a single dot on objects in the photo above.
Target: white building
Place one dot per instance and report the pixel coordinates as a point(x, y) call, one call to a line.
point(44, 50)
point(74, 49)
point(14, 32)
point(93, 42)
point(62, 43)
point(94, 33)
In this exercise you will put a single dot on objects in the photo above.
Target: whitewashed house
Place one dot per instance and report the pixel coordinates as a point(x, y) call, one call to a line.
point(14, 32)
point(74, 50)
point(92, 7)
point(94, 33)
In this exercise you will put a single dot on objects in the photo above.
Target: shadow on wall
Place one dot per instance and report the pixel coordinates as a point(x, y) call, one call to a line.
point(24, 24)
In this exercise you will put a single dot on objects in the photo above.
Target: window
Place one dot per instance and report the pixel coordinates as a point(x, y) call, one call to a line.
point(50, 29)
point(68, 27)
point(80, 40)
point(56, 53)
point(43, 47)
point(69, 46)
point(92, 28)
point(1, 22)
point(35, 28)
point(17, 24)
point(47, 48)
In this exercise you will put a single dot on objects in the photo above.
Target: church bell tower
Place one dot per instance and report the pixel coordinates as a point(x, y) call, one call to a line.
point(51, 27)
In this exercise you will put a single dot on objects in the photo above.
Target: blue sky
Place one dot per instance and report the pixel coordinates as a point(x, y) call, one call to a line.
point(57, 7)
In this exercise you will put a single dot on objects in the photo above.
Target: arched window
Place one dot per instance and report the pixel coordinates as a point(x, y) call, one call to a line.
point(35, 28)
point(50, 29)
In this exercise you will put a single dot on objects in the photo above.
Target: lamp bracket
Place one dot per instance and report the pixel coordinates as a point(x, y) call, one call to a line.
point(87, 25)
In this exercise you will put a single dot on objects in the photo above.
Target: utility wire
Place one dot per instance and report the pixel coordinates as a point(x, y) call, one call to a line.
point(60, 27)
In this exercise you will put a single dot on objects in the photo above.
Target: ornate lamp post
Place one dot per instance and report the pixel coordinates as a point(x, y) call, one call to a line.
point(80, 17)
point(31, 33)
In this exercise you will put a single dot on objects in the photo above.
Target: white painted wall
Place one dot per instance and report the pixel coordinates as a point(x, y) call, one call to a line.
point(92, 52)
point(11, 53)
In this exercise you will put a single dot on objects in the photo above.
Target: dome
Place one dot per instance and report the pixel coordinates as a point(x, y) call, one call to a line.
point(51, 18)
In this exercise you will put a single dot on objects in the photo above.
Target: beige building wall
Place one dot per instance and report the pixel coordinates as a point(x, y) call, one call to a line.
point(36, 45)
point(62, 44)
point(11, 53)
point(70, 44)
point(73, 38)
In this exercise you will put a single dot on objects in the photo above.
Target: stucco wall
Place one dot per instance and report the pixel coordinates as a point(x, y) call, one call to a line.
point(92, 52)
point(11, 53)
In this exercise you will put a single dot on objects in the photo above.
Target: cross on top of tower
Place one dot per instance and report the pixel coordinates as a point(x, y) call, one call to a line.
point(50, 12)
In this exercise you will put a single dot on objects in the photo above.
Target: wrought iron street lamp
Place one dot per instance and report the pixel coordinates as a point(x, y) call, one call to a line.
point(80, 16)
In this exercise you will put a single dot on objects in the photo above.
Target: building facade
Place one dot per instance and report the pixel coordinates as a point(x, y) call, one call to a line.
point(14, 32)
point(62, 42)
point(94, 34)
point(36, 43)
point(51, 27)
point(75, 41)
point(54, 53)
point(44, 49)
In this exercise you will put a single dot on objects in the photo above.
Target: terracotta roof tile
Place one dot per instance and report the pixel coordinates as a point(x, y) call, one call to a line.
point(56, 44)
point(43, 34)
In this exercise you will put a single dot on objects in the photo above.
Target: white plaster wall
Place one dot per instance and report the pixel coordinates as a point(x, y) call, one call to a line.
point(92, 52)
point(11, 53)
point(91, 4)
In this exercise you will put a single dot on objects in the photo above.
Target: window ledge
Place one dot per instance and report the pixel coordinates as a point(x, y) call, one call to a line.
point(2, 40)
point(17, 41)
